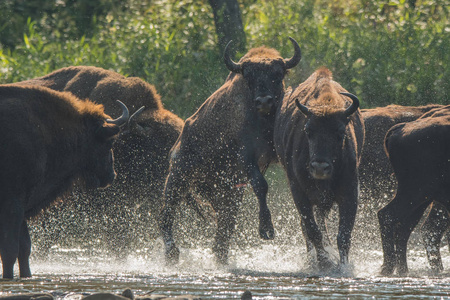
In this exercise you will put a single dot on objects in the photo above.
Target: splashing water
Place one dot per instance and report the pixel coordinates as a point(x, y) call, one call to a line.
point(275, 269)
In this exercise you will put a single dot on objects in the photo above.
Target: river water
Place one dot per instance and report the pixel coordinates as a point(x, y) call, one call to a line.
point(276, 269)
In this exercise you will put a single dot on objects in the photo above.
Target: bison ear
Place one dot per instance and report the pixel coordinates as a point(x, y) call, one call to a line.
point(302, 108)
point(107, 131)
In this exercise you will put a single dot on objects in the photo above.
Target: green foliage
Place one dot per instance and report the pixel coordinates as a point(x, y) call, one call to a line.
point(385, 52)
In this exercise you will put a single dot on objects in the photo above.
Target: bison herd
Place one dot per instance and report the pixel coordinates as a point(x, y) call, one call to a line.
point(58, 136)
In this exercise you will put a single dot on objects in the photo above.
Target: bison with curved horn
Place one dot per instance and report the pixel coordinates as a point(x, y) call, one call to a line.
point(227, 143)
point(319, 136)
point(50, 139)
point(121, 217)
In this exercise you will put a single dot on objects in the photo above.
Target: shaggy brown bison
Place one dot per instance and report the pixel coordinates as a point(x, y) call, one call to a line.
point(227, 143)
point(49, 139)
point(319, 135)
point(375, 167)
point(124, 212)
point(419, 152)
point(376, 175)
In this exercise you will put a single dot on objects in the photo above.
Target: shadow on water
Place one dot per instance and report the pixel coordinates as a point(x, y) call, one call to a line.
point(77, 252)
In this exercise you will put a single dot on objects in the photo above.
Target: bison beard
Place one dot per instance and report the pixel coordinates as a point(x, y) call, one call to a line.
point(50, 139)
point(228, 142)
point(419, 153)
point(318, 138)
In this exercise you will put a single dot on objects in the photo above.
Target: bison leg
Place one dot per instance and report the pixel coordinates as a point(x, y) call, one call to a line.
point(313, 233)
point(174, 191)
point(11, 218)
point(321, 219)
point(347, 214)
point(394, 226)
point(24, 251)
point(226, 223)
point(387, 220)
point(260, 187)
point(407, 222)
point(433, 229)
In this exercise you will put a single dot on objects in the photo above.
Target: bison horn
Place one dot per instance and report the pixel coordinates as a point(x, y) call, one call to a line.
point(123, 119)
point(231, 65)
point(302, 108)
point(354, 106)
point(294, 60)
point(136, 114)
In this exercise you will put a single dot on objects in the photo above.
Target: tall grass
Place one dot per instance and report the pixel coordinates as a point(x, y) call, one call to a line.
point(385, 52)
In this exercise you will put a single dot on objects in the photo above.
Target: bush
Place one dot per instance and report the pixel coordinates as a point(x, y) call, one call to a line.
point(385, 52)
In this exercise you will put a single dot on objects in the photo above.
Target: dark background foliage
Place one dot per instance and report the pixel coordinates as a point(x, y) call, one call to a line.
point(383, 51)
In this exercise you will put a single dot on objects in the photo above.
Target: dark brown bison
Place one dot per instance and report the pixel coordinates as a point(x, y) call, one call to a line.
point(375, 166)
point(49, 140)
point(141, 156)
point(376, 175)
point(319, 134)
point(227, 143)
point(419, 153)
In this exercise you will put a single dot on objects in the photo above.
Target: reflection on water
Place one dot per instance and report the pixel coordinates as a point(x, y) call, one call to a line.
point(270, 272)
point(77, 257)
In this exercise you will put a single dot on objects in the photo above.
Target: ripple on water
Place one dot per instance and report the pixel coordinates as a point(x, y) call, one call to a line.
point(269, 271)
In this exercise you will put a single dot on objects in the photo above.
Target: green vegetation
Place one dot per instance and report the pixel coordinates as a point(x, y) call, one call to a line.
point(383, 51)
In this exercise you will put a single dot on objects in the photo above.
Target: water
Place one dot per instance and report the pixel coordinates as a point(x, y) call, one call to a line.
point(275, 269)
point(270, 272)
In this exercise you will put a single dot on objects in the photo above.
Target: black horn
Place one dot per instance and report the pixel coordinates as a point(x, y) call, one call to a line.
point(354, 106)
point(231, 65)
point(136, 114)
point(294, 60)
point(123, 119)
point(302, 108)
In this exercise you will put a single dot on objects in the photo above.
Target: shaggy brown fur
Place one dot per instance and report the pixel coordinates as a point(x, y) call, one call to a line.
point(49, 139)
point(419, 152)
point(376, 175)
point(318, 137)
point(375, 166)
point(123, 213)
point(226, 144)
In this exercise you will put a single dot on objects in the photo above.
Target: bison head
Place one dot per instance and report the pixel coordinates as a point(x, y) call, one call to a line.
point(99, 167)
point(264, 70)
point(325, 131)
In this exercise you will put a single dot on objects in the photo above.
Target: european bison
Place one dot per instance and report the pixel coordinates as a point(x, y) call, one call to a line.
point(319, 135)
point(376, 175)
point(141, 162)
point(375, 167)
point(49, 140)
point(227, 143)
point(419, 152)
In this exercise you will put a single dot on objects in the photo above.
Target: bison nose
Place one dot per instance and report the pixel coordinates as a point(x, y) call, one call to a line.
point(264, 103)
point(320, 170)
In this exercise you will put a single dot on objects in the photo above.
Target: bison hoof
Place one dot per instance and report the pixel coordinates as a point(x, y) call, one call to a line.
point(436, 265)
point(402, 270)
point(387, 270)
point(327, 265)
point(266, 230)
point(172, 255)
point(222, 259)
